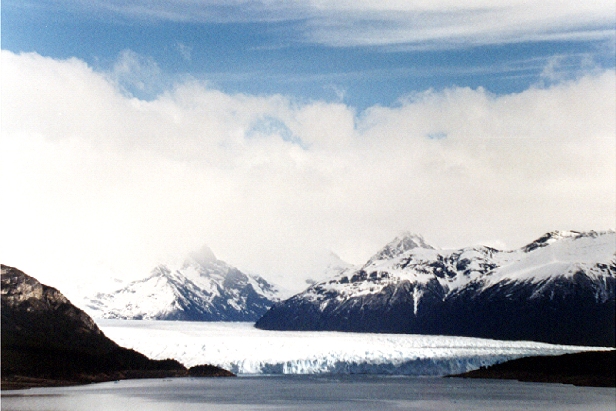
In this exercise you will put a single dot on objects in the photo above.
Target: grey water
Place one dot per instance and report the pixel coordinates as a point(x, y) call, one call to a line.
point(315, 393)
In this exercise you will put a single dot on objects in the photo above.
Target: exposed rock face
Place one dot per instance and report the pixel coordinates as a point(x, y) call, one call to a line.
point(36, 315)
point(46, 340)
point(557, 289)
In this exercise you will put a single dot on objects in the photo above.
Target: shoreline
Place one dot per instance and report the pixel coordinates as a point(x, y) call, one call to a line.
point(19, 382)
point(585, 369)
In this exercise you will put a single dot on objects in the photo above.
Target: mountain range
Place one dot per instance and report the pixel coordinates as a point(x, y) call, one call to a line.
point(203, 288)
point(558, 289)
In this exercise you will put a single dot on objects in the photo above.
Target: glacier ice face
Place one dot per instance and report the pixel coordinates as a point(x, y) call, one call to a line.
point(243, 349)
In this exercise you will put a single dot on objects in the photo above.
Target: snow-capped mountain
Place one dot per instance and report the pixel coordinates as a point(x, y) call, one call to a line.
point(202, 289)
point(559, 289)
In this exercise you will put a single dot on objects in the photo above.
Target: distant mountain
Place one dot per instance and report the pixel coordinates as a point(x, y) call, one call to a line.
point(329, 266)
point(48, 341)
point(557, 289)
point(202, 289)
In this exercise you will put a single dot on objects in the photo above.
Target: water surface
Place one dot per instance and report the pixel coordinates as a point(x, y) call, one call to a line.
point(318, 393)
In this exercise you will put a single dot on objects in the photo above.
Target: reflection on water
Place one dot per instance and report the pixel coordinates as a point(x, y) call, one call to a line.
point(317, 393)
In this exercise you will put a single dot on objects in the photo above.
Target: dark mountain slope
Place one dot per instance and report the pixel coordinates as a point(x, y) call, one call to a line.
point(594, 368)
point(47, 341)
point(558, 289)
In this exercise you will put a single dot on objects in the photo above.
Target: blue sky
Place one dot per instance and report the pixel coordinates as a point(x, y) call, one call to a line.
point(276, 132)
point(261, 48)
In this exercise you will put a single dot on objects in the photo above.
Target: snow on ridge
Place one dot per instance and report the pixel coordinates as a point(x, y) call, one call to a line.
point(566, 256)
point(244, 349)
point(400, 245)
point(556, 236)
point(201, 287)
point(162, 297)
point(408, 258)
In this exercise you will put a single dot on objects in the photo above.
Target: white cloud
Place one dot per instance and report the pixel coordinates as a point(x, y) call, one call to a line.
point(424, 23)
point(447, 23)
point(137, 75)
point(96, 182)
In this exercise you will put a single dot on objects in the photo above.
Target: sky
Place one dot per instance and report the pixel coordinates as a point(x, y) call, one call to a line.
point(276, 132)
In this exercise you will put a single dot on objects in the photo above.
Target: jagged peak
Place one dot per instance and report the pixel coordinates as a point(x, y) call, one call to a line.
point(401, 244)
point(160, 269)
point(18, 286)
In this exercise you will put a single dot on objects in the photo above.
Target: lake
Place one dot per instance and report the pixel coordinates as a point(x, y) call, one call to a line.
point(312, 392)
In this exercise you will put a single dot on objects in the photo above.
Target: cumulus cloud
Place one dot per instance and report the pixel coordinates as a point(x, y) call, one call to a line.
point(97, 182)
point(137, 75)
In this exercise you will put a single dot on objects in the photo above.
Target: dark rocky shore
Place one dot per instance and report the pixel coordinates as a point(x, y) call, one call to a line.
point(591, 369)
point(47, 341)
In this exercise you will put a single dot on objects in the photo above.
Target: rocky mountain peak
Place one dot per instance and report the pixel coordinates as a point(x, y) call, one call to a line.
point(562, 292)
point(551, 237)
point(401, 244)
point(18, 287)
point(24, 294)
point(202, 289)
point(20, 291)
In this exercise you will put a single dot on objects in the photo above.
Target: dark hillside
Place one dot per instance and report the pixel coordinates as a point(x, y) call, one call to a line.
point(595, 368)
point(48, 341)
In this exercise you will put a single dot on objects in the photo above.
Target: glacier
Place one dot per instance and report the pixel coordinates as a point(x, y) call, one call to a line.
point(246, 350)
